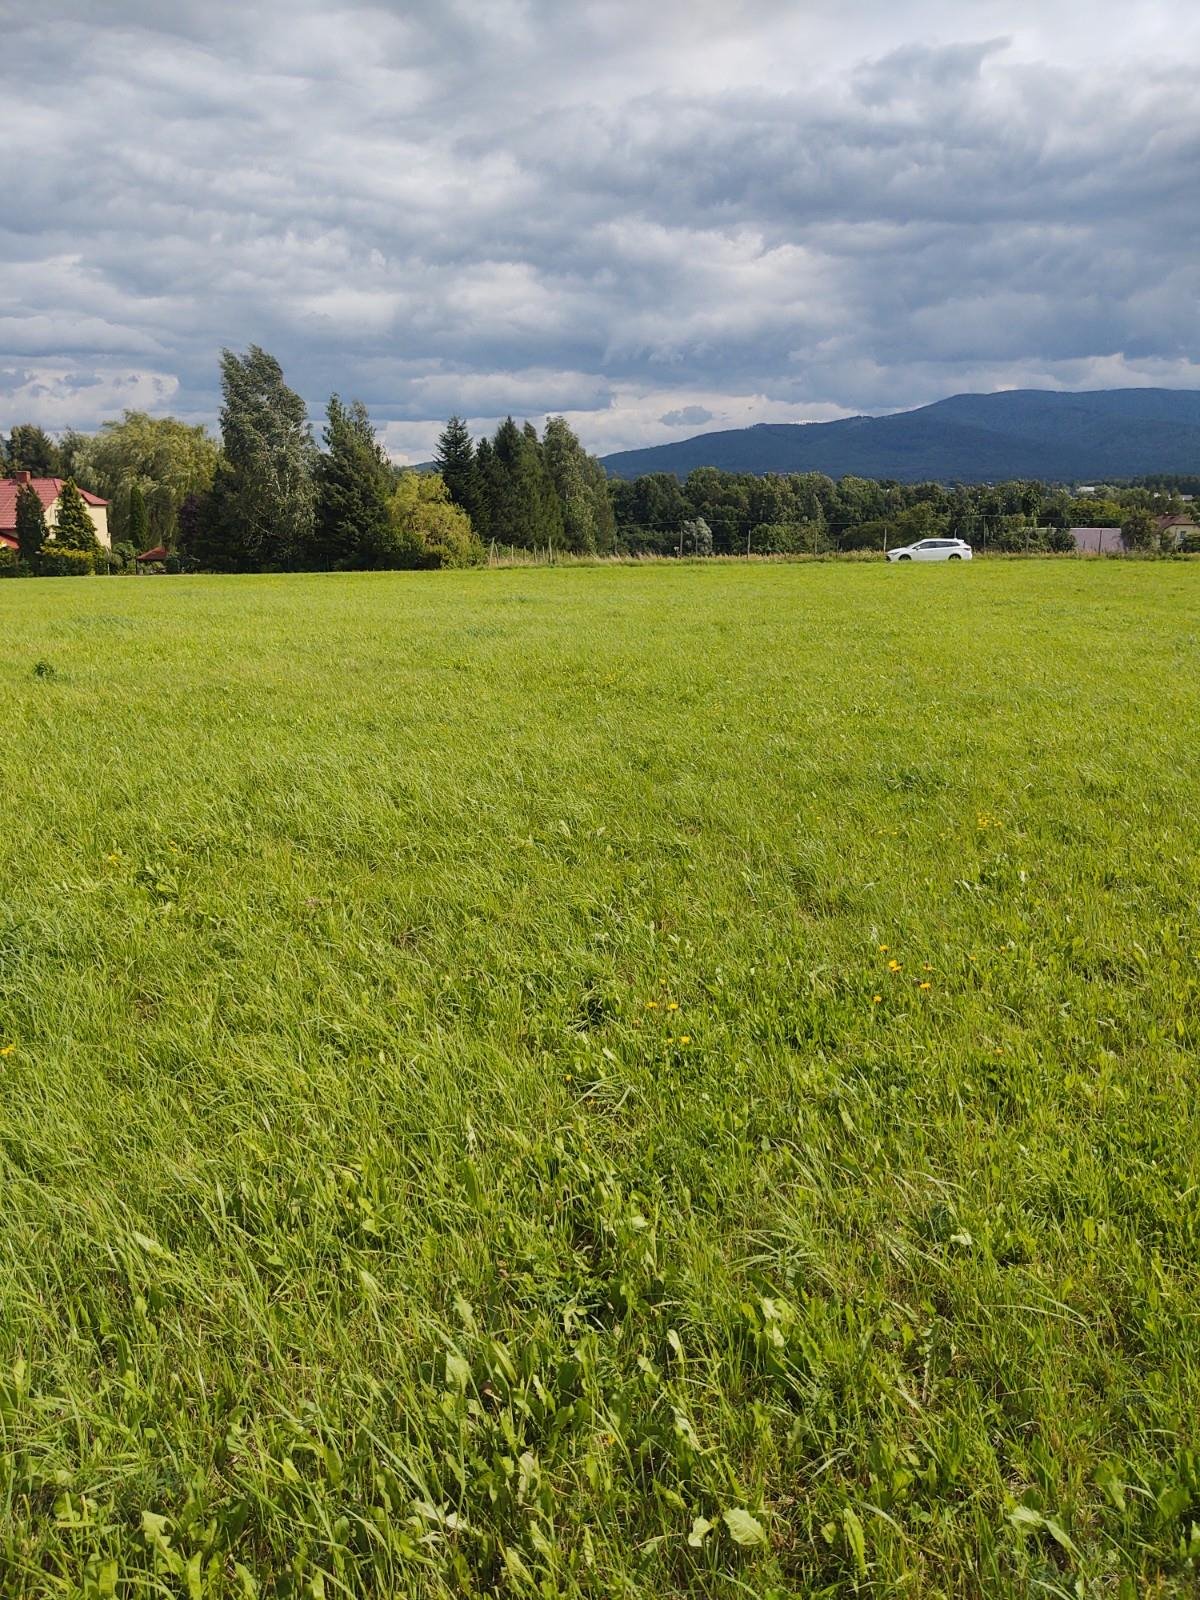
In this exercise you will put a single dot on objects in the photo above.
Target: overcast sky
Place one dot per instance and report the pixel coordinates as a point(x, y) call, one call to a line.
point(656, 217)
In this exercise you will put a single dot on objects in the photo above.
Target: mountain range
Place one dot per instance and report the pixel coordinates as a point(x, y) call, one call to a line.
point(1097, 436)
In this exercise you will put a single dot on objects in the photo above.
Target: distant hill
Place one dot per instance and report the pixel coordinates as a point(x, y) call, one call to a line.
point(970, 438)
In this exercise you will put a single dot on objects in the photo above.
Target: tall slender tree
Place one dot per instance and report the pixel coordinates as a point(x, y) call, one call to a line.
point(547, 521)
point(31, 524)
point(137, 519)
point(456, 462)
point(354, 485)
point(262, 503)
point(582, 488)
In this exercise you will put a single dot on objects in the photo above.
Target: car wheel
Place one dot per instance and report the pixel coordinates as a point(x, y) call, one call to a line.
point(903, 558)
point(956, 558)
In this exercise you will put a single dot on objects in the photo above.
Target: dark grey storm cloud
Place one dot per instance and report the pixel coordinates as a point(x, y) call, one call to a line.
point(651, 219)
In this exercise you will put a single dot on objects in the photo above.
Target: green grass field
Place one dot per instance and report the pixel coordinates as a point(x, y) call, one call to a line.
point(613, 1083)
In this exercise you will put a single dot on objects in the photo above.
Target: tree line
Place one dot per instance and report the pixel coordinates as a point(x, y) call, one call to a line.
point(810, 513)
point(267, 496)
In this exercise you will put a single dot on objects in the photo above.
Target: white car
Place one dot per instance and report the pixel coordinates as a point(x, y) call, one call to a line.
point(932, 550)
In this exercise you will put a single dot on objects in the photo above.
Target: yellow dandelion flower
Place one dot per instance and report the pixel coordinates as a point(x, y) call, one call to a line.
point(8, 1050)
point(651, 1005)
point(925, 967)
point(924, 986)
point(884, 949)
point(672, 1005)
point(894, 966)
point(685, 1038)
point(876, 999)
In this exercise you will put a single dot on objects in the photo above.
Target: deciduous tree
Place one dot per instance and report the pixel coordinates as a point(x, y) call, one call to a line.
point(167, 459)
point(263, 495)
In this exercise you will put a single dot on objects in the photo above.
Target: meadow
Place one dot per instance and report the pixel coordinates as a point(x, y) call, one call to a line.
point(612, 1082)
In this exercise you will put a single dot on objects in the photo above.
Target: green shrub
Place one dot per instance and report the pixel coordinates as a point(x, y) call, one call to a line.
point(1060, 540)
point(60, 561)
point(9, 563)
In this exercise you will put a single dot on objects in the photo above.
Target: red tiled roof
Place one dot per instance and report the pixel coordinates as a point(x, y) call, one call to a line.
point(159, 553)
point(48, 491)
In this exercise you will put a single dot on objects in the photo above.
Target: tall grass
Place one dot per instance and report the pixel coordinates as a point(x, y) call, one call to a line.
point(618, 1082)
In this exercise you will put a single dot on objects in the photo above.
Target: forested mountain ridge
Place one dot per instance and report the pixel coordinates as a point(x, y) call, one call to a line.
point(969, 438)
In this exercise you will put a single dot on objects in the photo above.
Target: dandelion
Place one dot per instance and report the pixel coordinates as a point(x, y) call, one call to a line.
point(926, 967)
point(883, 949)
point(651, 1005)
point(672, 1005)
point(894, 966)
point(113, 858)
point(924, 986)
point(685, 1038)
point(876, 999)
point(8, 1050)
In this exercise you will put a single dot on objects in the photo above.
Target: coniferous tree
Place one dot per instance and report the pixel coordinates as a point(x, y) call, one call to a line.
point(354, 484)
point(522, 505)
point(137, 520)
point(31, 449)
point(456, 462)
point(73, 525)
point(31, 524)
point(261, 508)
point(513, 510)
point(485, 471)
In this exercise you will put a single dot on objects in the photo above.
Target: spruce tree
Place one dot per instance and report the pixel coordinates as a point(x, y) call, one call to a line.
point(486, 473)
point(455, 461)
point(31, 524)
point(513, 509)
point(73, 526)
point(137, 521)
point(354, 485)
point(31, 449)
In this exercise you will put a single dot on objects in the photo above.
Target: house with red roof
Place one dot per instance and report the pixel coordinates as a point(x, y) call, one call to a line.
point(48, 491)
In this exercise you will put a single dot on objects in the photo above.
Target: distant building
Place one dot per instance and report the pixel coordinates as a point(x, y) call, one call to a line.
point(49, 491)
point(1181, 528)
point(1097, 541)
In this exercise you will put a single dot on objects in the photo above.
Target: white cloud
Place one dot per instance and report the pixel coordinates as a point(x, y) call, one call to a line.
point(652, 219)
